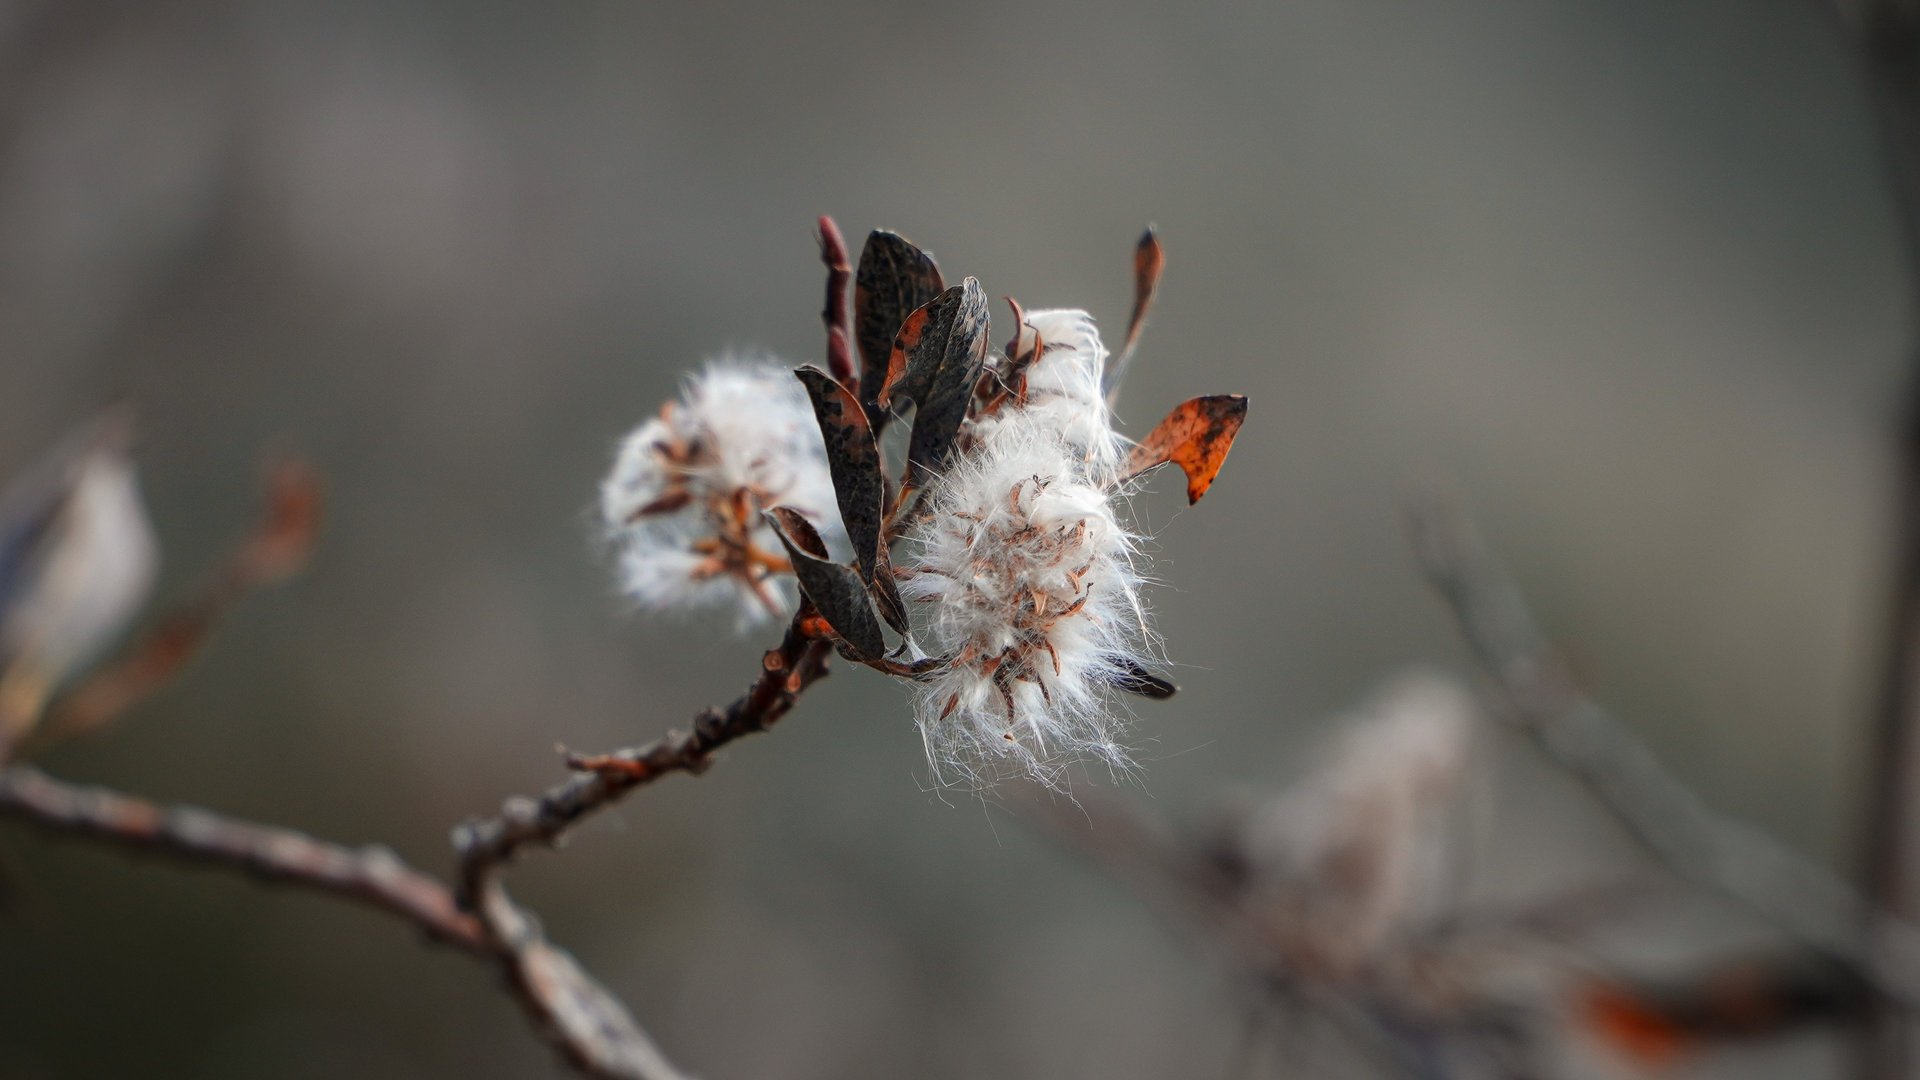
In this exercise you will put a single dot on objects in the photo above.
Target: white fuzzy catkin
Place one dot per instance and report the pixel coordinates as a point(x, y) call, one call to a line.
point(1029, 578)
point(1357, 853)
point(741, 439)
point(77, 558)
point(1063, 391)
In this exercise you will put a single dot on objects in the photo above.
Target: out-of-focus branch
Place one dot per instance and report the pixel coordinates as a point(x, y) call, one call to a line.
point(584, 1020)
point(276, 548)
point(1657, 810)
point(1884, 36)
point(601, 780)
point(370, 875)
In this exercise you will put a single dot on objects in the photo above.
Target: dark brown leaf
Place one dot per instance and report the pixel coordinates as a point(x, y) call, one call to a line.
point(1195, 436)
point(852, 458)
point(1135, 679)
point(835, 590)
point(942, 371)
point(894, 279)
point(798, 528)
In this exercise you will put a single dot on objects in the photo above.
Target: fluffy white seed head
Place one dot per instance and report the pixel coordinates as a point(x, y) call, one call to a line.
point(1063, 391)
point(1028, 580)
point(1357, 853)
point(683, 502)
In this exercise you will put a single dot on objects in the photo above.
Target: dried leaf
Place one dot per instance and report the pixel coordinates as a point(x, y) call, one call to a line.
point(1195, 436)
point(798, 528)
point(894, 279)
point(835, 590)
point(677, 499)
point(1135, 679)
point(904, 344)
point(943, 370)
point(1149, 261)
point(853, 459)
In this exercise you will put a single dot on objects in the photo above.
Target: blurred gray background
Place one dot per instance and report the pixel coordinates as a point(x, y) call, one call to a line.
point(1623, 269)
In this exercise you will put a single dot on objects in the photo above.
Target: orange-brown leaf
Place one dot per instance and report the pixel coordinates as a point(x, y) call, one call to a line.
point(904, 343)
point(1195, 436)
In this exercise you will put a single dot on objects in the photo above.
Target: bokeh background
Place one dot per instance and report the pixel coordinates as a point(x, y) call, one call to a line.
point(1626, 272)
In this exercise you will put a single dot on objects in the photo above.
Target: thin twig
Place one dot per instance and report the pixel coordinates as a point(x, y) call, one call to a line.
point(837, 313)
point(370, 875)
point(1574, 732)
point(1884, 36)
point(586, 1022)
point(601, 780)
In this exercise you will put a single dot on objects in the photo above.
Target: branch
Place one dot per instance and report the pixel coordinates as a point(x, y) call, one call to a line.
point(579, 1016)
point(1658, 811)
point(601, 780)
point(590, 1026)
point(583, 1020)
point(371, 875)
point(1884, 36)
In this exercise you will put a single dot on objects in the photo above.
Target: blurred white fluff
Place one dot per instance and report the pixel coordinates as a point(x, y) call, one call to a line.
point(1031, 583)
point(77, 558)
point(1063, 391)
point(1357, 853)
point(683, 502)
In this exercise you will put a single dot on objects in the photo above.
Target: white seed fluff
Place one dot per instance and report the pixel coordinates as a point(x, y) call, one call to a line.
point(1063, 391)
point(1357, 854)
point(1031, 584)
point(684, 499)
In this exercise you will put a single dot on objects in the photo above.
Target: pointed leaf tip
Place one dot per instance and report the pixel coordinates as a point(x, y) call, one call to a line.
point(1135, 679)
point(943, 369)
point(1196, 436)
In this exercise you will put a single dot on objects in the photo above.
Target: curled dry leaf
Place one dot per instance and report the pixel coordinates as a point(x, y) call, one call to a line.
point(1195, 436)
point(835, 590)
point(941, 373)
point(894, 279)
